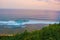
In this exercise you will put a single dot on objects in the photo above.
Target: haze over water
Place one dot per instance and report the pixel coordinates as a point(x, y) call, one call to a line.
point(14, 14)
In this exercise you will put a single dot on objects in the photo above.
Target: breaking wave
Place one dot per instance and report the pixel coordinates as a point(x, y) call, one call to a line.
point(26, 22)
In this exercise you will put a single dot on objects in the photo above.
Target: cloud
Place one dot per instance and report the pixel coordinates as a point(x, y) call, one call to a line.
point(30, 4)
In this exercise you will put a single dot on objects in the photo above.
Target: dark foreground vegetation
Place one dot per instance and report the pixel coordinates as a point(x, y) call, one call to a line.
point(51, 32)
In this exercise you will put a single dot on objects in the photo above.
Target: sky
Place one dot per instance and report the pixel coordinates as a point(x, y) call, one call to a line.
point(30, 4)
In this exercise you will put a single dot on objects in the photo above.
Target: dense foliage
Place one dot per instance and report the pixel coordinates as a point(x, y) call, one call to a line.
point(51, 32)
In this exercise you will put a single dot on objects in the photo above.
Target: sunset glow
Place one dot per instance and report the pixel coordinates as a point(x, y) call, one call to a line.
point(30, 4)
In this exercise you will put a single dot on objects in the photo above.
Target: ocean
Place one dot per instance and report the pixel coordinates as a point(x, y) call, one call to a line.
point(9, 17)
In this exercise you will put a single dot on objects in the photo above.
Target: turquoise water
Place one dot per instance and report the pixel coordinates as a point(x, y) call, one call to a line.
point(24, 22)
point(13, 17)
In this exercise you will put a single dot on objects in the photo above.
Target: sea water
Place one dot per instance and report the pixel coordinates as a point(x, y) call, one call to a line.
point(23, 22)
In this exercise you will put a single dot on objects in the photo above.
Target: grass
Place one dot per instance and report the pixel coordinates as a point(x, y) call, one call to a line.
point(51, 32)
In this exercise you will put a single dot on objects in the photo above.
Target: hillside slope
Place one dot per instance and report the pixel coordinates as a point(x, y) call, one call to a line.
point(51, 32)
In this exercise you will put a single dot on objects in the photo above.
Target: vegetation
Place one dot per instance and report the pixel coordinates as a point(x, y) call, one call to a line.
point(51, 32)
